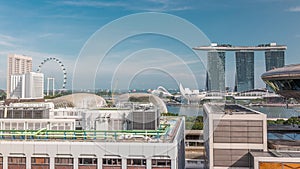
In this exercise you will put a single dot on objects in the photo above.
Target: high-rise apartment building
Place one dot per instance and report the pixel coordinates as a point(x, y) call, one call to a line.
point(16, 65)
point(244, 70)
point(215, 79)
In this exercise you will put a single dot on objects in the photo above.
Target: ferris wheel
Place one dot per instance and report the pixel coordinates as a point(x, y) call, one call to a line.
point(61, 66)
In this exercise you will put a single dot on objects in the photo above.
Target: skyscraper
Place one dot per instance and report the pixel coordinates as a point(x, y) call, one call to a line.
point(274, 59)
point(244, 70)
point(16, 65)
point(215, 78)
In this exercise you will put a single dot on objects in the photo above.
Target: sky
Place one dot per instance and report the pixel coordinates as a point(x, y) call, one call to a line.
point(70, 29)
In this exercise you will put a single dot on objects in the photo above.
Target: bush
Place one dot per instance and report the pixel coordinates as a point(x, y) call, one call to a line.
point(169, 114)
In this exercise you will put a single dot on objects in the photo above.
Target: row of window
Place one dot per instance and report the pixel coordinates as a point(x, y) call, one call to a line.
point(86, 161)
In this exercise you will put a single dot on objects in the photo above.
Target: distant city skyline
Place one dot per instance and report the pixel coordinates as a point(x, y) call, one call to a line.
point(61, 28)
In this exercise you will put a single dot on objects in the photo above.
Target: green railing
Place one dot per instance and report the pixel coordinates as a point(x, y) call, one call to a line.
point(44, 134)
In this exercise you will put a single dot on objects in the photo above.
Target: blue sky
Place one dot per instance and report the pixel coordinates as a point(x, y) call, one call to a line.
point(61, 28)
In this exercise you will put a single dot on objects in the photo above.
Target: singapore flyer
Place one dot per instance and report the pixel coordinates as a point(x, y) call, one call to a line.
point(61, 66)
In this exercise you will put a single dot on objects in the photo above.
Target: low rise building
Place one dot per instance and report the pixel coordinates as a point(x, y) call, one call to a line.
point(41, 135)
point(230, 133)
point(275, 159)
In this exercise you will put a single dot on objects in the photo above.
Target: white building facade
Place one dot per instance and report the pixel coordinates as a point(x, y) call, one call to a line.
point(16, 65)
point(27, 86)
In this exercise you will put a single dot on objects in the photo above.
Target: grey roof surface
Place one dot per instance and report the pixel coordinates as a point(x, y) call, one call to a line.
point(283, 72)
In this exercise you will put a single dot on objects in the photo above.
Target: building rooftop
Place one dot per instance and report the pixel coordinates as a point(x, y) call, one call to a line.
point(274, 153)
point(165, 134)
point(284, 144)
point(230, 109)
point(228, 47)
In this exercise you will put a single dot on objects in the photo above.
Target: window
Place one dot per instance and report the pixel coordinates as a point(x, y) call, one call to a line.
point(1, 162)
point(112, 161)
point(136, 162)
point(161, 163)
point(63, 160)
point(87, 161)
point(90, 163)
point(40, 163)
point(64, 163)
point(16, 162)
point(40, 160)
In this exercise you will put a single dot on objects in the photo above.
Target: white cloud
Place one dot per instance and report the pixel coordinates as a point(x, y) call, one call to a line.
point(94, 3)
point(294, 9)
point(49, 35)
point(7, 44)
point(8, 41)
point(9, 38)
point(141, 5)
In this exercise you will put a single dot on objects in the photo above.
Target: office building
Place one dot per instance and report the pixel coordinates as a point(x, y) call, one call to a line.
point(27, 86)
point(215, 79)
point(244, 71)
point(230, 133)
point(16, 65)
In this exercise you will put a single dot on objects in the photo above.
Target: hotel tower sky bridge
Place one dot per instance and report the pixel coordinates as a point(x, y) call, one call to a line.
point(244, 78)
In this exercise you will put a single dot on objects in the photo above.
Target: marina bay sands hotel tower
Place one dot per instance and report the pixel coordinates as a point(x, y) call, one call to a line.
point(244, 55)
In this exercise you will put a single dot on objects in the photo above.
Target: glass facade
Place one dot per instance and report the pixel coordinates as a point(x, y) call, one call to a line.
point(215, 79)
point(273, 59)
point(244, 71)
point(284, 84)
